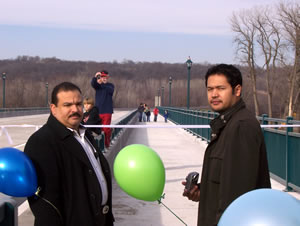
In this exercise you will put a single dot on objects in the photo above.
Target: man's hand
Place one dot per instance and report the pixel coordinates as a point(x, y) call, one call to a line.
point(86, 118)
point(193, 194)
point(98, 77)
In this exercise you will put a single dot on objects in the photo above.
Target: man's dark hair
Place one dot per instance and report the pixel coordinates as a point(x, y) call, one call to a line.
point(65, 86)
point(104, 72)
point(232, 74)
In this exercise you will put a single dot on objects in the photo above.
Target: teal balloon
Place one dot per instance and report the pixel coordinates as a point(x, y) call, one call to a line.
point(17, 173)
point(140, 172)
point(263, 207)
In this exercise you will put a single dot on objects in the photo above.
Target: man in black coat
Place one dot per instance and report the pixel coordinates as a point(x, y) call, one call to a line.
point(235, 161)
point(74, 180)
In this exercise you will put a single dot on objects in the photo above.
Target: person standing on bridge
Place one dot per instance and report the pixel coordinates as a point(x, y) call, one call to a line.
point(91, 116)
point(155, 113)
point(104, 103)
point(74, 179)
point(235, 161)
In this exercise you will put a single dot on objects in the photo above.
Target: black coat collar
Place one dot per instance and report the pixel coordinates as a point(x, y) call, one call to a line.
point(61, 131)
point(219, 123)
point(66, 136)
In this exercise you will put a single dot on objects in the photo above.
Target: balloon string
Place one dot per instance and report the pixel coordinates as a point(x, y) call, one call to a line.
point(160, 202)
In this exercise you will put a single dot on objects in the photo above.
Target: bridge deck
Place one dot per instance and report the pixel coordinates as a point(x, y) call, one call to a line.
point(180, 152)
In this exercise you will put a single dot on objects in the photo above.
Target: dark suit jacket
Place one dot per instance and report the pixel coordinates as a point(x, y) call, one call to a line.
point(67, 179)
point(235, 162)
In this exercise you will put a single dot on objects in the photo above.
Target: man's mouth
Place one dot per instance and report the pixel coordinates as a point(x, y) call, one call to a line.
point(215, 102)
point(76, 115)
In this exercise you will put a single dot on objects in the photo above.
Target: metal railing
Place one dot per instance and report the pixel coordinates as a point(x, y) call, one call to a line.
point(283, 148)
point(283, 144)
point(12, 112)
point(183, 116)
point(115, 132)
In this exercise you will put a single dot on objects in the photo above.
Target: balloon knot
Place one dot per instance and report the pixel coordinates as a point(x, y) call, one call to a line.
point(161, 197)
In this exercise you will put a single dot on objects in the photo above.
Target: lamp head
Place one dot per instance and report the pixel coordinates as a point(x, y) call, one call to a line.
point(189, 63)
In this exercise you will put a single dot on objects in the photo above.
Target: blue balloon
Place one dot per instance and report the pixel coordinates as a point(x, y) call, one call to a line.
point(263, 207)
point(17, 173)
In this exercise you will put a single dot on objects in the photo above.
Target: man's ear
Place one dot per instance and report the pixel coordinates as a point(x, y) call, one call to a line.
point(238, 90)
point(53, 109)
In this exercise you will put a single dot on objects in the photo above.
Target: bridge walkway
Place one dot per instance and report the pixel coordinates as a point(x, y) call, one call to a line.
point(180, 152)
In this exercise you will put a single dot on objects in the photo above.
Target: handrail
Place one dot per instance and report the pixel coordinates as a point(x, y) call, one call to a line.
point(283, 143)
point(12, 112)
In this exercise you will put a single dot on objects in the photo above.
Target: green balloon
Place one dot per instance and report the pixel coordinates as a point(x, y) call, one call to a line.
point(140, 172)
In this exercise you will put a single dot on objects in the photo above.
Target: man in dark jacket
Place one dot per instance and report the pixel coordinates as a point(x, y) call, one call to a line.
point(74, 180)
point(104, 103)
point(235, 160)
point(141, 111)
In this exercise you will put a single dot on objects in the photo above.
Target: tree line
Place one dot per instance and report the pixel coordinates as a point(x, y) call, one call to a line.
point(135, 82)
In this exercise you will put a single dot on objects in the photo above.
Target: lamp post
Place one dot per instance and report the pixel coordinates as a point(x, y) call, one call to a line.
point(162, 95)
point(170, 84)
point(189, 66)
point(47, 85)
point(3, 78)
point(158, 94)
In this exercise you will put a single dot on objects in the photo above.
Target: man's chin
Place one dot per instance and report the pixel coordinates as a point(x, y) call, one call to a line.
point(75, 122)
point(216, 108)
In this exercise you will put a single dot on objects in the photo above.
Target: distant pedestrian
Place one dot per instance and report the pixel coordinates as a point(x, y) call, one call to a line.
point(144, 114)
point(148, 113)
point(155, 113)
point(166, 115)
point(104, 93)
point(141, 111)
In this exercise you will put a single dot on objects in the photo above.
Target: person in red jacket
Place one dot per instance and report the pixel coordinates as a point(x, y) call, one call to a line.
point(155, 113)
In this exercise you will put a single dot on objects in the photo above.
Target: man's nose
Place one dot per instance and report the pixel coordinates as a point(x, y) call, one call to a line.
point(215, 93)
point(75, 108)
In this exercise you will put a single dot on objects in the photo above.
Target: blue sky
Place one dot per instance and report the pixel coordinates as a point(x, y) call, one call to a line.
point(139, 30)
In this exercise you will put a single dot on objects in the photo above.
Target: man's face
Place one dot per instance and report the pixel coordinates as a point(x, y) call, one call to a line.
point(219, 93)
point(104, 79)
point(69, 109)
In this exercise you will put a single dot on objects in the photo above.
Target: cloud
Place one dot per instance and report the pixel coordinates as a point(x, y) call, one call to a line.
point(176, 16)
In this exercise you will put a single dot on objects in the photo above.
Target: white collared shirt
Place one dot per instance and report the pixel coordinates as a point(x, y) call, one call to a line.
point(95, 162)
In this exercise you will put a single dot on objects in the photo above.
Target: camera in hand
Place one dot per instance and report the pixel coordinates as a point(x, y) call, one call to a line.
point(191, 180)
point(98, 76)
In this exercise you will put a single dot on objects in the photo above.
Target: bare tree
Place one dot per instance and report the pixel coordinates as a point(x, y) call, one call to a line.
point(245, 31)
point(289, 16)
point(269, 41)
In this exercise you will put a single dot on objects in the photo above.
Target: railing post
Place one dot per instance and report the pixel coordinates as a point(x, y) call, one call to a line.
point(288, 129)
point(198, 122)
point(208, 130)
point(264, 121)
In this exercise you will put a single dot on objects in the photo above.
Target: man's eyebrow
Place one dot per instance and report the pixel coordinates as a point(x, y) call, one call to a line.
point(218, 86)
point(67, 103)
point(70, 103)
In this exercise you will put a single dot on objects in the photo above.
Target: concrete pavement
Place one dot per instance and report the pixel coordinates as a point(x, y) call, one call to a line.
point(181, 153)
